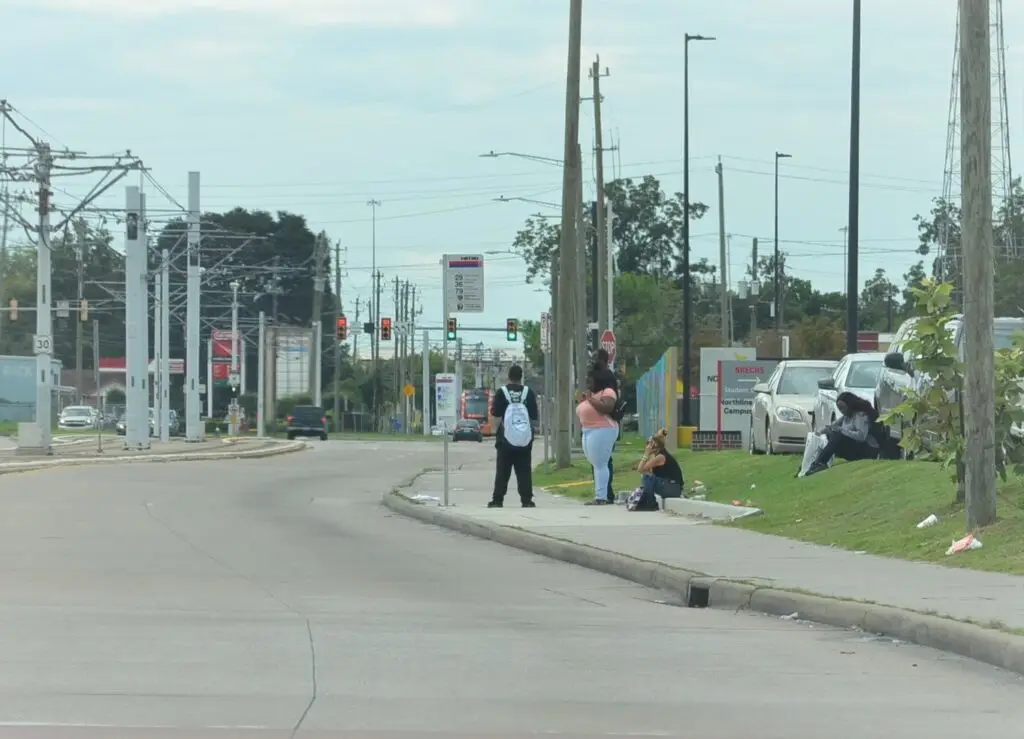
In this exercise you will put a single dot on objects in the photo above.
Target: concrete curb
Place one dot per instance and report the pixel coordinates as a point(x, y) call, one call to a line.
point(700, 590)
point(277, 449)
point(708, 509)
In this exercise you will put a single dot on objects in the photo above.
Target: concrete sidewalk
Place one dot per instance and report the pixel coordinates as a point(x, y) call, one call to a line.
point(958, 610)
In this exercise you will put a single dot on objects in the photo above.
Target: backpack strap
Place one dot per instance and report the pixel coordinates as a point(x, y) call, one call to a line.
point(505, 392)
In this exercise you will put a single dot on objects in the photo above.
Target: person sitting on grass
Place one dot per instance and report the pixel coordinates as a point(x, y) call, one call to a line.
point(660, 472)
point(850, 437)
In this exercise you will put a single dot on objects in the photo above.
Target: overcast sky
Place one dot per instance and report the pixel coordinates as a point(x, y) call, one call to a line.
point(317, 106)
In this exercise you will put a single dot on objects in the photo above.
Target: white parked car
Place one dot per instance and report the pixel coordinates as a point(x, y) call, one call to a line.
point(78, 417)
point(857, 374)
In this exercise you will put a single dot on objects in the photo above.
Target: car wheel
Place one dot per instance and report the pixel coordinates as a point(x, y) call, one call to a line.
point(751, 445)
point(769, 447)
point(323, 437)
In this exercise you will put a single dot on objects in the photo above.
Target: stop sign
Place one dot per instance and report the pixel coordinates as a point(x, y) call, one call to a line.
point(608, 344)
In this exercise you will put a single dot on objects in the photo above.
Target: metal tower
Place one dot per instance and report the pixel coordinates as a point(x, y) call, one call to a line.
point(948, 265)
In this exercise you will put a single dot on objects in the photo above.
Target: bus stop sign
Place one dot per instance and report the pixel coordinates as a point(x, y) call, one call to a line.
point(607, 343)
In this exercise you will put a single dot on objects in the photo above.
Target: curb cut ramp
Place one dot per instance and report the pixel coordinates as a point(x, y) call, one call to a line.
point(700, 590)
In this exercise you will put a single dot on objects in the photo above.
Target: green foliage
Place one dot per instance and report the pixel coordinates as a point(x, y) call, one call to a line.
point(931, 416)
point(116, 396)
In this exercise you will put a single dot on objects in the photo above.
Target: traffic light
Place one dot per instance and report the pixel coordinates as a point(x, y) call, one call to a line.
point(341, 329)
point(83, 310)
point(512, 329)
point(14, 309)
point(453, 328)
point(385, 329)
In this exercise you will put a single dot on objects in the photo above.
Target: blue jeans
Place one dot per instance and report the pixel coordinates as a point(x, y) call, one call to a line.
point(597, 447)
point(661, 487)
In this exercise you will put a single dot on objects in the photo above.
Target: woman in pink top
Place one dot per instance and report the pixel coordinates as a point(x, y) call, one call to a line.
point(600, 432)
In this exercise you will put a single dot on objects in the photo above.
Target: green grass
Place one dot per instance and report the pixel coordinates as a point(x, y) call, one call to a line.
point(869, 506)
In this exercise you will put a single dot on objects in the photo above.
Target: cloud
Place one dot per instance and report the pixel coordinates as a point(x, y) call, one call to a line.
point(372, 13)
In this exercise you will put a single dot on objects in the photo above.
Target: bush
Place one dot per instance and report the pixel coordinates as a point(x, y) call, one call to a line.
point(936, 411)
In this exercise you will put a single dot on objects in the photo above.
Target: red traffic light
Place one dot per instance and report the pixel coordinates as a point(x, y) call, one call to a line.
point(385, 329)
point(341, 329)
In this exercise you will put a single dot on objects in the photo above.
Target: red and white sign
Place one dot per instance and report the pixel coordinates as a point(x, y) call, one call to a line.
point(608, 344)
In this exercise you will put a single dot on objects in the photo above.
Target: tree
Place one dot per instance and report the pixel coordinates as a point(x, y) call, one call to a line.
point(647, 231)
point(878, 307)
point(530, 331)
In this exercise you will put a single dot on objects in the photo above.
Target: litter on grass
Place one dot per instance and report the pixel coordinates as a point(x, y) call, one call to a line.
point(968, 542)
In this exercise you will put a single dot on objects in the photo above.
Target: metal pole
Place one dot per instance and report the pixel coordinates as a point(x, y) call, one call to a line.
point(136, 323)
point(723, 269)
point(194, 430)
point(261, 389)
point(687, 297)
point(546, 410)
point(338, 313)
point(209, 378)
point(610, 268)
point(853, 218)
point(234, 359)
point(318, 337)
point(96, 381)
point(446, 466)
point(44, 318)
point(165, 346)
point(426, 383)
point(157, 374)
point(444, 310)
point(776, 271)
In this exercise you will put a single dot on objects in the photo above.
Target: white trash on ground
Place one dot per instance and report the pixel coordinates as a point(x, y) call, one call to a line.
point(968, 542)
point(930, 521)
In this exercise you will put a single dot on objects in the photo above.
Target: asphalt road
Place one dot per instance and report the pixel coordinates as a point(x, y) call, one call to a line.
point(261, 596)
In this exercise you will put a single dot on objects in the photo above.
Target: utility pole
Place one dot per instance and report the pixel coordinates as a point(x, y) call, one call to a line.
point(80, 236)
point(319, 282)
point(853, 210)
point(396, 341)
point(723, 259)
point(601, 275)
point(976, 173)
point(567, 246)
point(164, 368)
point(194, 428)
point(375, 295)
point(580, 293)
point(338, 313)
point(375, 338)
point(357, 328)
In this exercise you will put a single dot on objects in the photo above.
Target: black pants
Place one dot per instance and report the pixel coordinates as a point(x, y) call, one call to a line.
point(509, 459)
point(611, 474)
point(842, 446)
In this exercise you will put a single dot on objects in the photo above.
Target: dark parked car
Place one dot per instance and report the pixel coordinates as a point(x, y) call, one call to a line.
point(307, 420)
point(468, 429)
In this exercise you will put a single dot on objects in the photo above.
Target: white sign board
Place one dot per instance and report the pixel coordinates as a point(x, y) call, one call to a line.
point(545, 332)
point(446, 399)
point(710, 356)
point(464, 283)
point(43, 344)
point(235, 379)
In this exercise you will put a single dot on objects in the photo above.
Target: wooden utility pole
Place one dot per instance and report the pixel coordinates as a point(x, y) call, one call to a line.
point(601, 275)
point(723, 260)
point(567, 245)
point(338, 313)
point(80, 234)
point(319, 281)
point(976, 188)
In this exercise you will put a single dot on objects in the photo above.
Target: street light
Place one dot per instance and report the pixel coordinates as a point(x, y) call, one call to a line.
point(531, 157)
point(503, 199)
point(777, 272)
point(687, 297)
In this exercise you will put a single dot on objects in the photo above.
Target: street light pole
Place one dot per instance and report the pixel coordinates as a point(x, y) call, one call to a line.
point(687, 296)
point(853, 215)
point(776, 267)
point(234, 358)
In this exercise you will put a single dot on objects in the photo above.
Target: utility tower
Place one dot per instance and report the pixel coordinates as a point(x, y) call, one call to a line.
point(949, 264)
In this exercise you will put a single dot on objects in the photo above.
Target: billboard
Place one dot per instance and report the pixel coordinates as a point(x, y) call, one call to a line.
point(735, 397)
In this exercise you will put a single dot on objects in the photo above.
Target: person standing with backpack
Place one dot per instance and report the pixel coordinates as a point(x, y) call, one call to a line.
point(515, 405)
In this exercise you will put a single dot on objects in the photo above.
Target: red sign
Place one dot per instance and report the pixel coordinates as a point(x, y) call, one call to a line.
point(222, 342)
point(608, 344)
point(221, 371)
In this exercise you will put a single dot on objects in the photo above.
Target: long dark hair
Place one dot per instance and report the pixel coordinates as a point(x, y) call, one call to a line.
point(856, 404)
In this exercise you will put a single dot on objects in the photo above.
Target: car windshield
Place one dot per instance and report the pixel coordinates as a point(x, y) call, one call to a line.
point(78, 412)
point(802, 380)
point(864, 374)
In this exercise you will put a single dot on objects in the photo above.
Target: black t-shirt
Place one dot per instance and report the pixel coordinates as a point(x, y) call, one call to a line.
point(500, 404)
point(670, 471)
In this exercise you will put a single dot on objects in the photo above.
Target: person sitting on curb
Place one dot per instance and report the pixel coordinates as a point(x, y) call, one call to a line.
point(660, 472)
point(850, 437)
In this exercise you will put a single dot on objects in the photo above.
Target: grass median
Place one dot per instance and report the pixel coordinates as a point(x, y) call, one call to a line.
point(868, 506)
